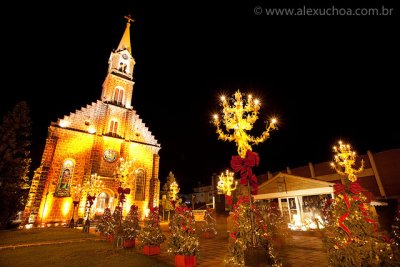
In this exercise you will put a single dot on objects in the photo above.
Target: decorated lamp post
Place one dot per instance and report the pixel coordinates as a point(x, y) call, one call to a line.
point(351, 232)
point(122, 174)
point(174, 190)
point(174, 187)
point(226, 185)
point(76, 195)
point(238, 119)
point(93, 186)
point(345, 159)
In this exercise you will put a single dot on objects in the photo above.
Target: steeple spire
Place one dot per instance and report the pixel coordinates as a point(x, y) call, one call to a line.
point(125, 42)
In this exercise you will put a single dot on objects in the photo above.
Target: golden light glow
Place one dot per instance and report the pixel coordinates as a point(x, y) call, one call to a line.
point(66, 206)
point(146, 212)
point(240, 117)
point(64, 123)
point(226, 183)
point(174, 189)
point(124, 171)
point(345, 159)
point(47, 206)
point(91, 130)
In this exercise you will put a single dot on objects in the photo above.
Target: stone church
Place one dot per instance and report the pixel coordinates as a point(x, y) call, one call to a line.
point(86, 148)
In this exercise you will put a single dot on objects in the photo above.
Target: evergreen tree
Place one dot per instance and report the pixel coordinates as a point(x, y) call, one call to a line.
point(131, 225)
point(184, 240)
point(104, 225)
point(166, 190)
point(116, 221)
point(151, 234)
point(396, 226)
point(267, 225)
point(351, 232)
point(166, 187)
point(15, 142)
point(351, 235)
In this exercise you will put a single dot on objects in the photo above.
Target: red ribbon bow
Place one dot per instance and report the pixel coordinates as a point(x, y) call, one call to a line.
point(122, 192)
point(90, 200)
point(244, 166)
point(356, 188)
point(228, 200)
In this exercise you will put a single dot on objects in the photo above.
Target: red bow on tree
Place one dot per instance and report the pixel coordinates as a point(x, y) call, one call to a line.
point(244, 166)
point(228, 200)
point(122, 192)
point(90, 200)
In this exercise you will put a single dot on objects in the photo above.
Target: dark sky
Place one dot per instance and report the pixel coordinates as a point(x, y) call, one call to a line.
point(325, 77)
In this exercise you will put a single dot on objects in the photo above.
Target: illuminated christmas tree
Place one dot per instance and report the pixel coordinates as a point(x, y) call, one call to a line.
point(268, 223)
point(351, 231)
point(131, 225)
point(396, 232)
point(151, 234)
point(208, 226)
point(184, 240)
point(104, 226)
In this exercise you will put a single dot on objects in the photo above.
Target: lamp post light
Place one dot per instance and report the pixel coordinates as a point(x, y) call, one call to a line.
point(238, 119)
point(93, 186)
point(345, 158)
point(226, 183)
point(76, 195)
point(174, 187)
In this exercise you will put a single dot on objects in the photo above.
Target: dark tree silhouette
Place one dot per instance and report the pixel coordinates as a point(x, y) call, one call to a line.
point(15, 160)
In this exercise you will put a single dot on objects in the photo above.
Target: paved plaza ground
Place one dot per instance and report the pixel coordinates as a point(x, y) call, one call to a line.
point(300, 250)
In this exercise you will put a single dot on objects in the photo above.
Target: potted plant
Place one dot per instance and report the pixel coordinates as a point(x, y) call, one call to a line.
point(150, 236)
point(131, 227)
point(184, 243)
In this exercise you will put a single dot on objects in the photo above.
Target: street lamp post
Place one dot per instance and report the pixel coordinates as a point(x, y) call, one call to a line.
point(226, 185)
point(76, 197)
point(93, 186)
point(238, 119)
point(174, 190)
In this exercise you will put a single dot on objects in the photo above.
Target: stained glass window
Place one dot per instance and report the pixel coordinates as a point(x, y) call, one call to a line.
point(64, 181)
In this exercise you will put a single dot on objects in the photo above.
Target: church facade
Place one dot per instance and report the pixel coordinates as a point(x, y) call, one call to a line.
point(89, 146)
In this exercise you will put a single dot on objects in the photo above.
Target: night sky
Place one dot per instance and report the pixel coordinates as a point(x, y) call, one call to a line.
point(325, 78)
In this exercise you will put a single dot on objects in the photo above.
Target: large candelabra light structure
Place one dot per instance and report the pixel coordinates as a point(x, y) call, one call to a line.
point(226, 183)
point(344, 161)
point(174, 190)
point(123, 171)
point(238, 119)
point(123, 174)
point(76, 195)
point(93, 187)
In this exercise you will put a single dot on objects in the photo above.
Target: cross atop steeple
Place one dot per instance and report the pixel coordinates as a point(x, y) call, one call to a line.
point(129, 19)
point(125, 42)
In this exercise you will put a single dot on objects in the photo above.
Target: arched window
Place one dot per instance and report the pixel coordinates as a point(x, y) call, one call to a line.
point(64, 181)
point(118, 95)
point(140, 184)
point(113, 127)
point(102, 202)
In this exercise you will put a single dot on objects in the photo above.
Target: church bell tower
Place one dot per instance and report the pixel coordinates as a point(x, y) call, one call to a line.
point(118, 85)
